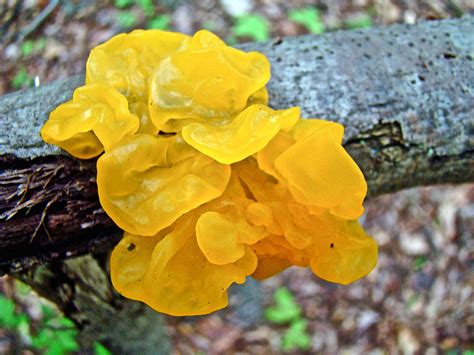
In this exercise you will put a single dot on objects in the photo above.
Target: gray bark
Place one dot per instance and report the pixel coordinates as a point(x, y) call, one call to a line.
point(404, 93)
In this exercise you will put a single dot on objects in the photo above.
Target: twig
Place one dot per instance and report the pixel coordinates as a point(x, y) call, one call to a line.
point(25, 190)
point(48, 205)
point(38, 19)
point(6, 24)
point(53, 175)
point(19, 205)
point(47, 232)
point(43, 215)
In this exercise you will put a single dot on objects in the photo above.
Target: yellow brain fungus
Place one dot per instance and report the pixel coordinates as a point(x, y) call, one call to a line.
point(140, 109)
point(336, 249)
point(171, 275)
point(189, 282)
point(245, 135)
point(97, 117)
point(315, 179)
point(144, 186)
point(127, 61)
point(216, 83)
point(222, 239)
point(209, 183)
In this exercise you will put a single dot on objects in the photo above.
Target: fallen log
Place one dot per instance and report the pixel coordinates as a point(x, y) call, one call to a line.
point(404, 93)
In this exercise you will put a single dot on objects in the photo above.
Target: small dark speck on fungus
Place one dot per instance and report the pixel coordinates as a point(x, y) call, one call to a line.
point(131, 247)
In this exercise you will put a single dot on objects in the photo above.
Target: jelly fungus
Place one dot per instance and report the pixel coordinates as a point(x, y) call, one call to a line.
point(209, 184)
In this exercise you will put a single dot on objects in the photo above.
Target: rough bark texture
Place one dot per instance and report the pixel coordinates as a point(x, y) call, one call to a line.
point(49, 210)
point(405, 95)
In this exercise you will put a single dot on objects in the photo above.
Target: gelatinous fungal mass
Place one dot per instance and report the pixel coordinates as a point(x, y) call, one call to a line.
point(209, 184)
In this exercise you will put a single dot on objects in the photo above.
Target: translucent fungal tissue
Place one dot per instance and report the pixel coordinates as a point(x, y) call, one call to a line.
point(95, 119)
point(209, 184)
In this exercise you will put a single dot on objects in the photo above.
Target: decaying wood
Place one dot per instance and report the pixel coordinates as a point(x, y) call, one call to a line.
point(405, 95)
point(50, 210)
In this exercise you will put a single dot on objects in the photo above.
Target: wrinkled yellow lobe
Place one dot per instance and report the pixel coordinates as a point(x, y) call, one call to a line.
point(260, 214)
point(218, 239)
point(126, 61)
point(260, 97)
point(95, 119)
point(249, 132)
point(337, 250)
point(319, 172)
point(344, 253)
point(140, 109)
point(144, 189)
point(206, 79)
point(269, 266)
point(176, 277)
point(223, 240)
point(323, 173)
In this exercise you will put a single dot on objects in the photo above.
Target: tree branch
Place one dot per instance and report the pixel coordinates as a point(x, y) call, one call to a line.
point(404, 93)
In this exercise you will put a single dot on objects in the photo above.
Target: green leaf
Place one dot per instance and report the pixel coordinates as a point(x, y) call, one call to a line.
point(55, 341)
point(147, 6)
point(99, 349)
point(419, 262)
point(309, 17)
point(7, 312)
point(49, 313)
point(21, 79)
point(56, 335)
point(359, 21)
point(253, 26)
point(40, 44)
point(126, 19)
point(66, 322)
point(160, 22)
point(285, 310)
point(27, 47)
point(296, 337)
point(8, 317)
point(123, 3)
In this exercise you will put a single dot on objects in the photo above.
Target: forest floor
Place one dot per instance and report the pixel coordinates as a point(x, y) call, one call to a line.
point(419, 298)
